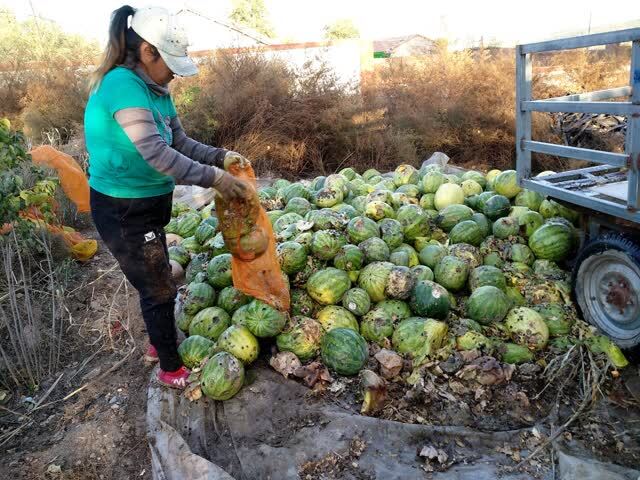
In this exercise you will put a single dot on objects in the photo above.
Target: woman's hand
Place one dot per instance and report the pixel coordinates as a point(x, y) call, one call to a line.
point(232, 158)
point(231, 188)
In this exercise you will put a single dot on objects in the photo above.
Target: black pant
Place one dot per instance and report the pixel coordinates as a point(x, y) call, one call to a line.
point(133, 230)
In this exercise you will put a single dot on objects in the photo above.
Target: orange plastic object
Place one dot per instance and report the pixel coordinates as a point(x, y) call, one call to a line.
point(72, 179)
point(254, 264)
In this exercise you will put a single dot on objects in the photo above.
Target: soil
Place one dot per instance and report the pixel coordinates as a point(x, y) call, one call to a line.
point(99, 431)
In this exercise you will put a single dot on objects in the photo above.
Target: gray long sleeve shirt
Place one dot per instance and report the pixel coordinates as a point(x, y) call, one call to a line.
point(189, 162)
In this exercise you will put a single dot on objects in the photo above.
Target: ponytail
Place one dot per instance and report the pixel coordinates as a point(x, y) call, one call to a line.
point(116, 51)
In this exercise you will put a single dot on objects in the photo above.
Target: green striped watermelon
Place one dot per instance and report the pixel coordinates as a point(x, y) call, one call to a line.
point(219, 271)
point(467, 231)
point(333, 316)
point(239, 342)
point(450, 216)
point(357, 301)
point(328, 286)
point(552, 241)
point(486, 275)
point(231, 299)
point(429, 299)
point(194, 350)
point(414, 221)
point(210, 323)
point(452, 273)
point(344, 351)
point(222, 376)
point(376, 326)
point(391, 232)
point(373, 279)
point(360, 229)
point(506, 183)
point(488, 304)
point(302, 338)
point(199, 295)
point(496, 206)
point(432, 254)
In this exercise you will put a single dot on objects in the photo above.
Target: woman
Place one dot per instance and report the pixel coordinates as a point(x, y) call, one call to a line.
point(138, 151)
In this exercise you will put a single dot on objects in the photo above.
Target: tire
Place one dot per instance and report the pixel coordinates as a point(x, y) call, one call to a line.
point(606, 283)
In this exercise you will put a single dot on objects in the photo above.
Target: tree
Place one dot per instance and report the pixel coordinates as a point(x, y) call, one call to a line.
point(252, 14)
point(341, 29)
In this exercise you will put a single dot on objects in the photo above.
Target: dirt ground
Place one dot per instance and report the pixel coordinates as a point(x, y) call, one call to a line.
point(88, 421)
point(98, 432)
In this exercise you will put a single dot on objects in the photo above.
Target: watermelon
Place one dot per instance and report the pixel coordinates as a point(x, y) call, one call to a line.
point(450, 216)
point(374, 249)
point(448, 194)
point(429, 299)
point(432, 254)
point(467, 231)
point(326, 244)
point(292, 257)
point(188, 224)
point(260, 318)
point(474, 341)
point(362, 228)
point(210, 323)
point(325, 219)
point(529, 199)
point(219, 271)
point(376, 326)
point(496, 206)
point(302, 304)
point(302, 338)
point(414, 259)
point(476, 176)
point(399, 258)
point(487, 275)
point(488, 304)
point(506, 183)
point(295, 190)
point(281, 183)
point(172, 227)
point(349, 173)
point(337, 317)
point(231, 299)
point(551, 241)
point(467, 253)
point(547, 268)
point(521, 254)
point(400, 283)
point(505, 227)
point(410, 190)
point(391, 232)
point(427, 201)
point(286, 220)
point(482, 199)
point(405, 174)
point(397, 309)
point(197, 265)
point(194, 350)
point(357, 301)
point(216, 246)
point(327, 197)
point(239, 342)
point(344, 351)
point(349, 258)
point(451, 273)
point(514, 354)
point(204, 232)
point(191, 245)
point(422, 272)
point(483, 223)
point(529, 222)
point(373, 279)
point(377, 210)
point(558, 322)
point(414, 221)
point(337, 182)
point(222, 376)
point(432, 181)
point(298, 205)
point(372, 172)
point(328, 286)
point(199, 295)
point(380, 195)
point(527, 328)
point(493, 259)
point(419, 338)
point(471, 187)
point(180, 255)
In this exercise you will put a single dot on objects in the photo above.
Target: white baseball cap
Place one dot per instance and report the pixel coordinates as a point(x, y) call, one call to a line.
point(163, 30)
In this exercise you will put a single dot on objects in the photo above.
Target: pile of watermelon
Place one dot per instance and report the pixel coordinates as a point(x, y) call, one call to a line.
point(419, 261)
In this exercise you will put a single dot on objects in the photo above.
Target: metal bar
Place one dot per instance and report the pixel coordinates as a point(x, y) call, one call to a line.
point(596, 156)
point(579, 198)
point(583, 41)
point(613, 108)
point(523, 118)
point(595, 96)
point(632, 141)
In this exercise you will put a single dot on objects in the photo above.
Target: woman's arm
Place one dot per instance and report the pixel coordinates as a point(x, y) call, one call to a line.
point(197, 151)
point(140, 127)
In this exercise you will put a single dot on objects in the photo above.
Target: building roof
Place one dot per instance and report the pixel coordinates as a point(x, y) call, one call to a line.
point(388, 45)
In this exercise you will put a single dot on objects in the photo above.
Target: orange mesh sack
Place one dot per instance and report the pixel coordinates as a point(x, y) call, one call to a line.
point(249, 237)
point(72, 179)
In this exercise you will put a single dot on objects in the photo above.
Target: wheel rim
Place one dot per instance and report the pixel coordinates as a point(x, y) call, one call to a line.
point(607, 290)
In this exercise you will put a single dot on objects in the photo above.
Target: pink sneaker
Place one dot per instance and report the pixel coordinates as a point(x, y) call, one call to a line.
point(177, 379)
point(151, 355)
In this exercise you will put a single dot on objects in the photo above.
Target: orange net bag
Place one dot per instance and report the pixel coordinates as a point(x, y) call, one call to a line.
point(249, 237)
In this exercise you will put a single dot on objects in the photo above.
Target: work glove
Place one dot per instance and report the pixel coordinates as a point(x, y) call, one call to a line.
point(232, 158)
point(229, 187)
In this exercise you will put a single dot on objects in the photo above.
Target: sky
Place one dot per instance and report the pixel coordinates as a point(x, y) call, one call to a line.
point(462, 21)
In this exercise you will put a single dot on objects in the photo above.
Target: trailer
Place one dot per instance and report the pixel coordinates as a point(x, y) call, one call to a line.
point(606, 272)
